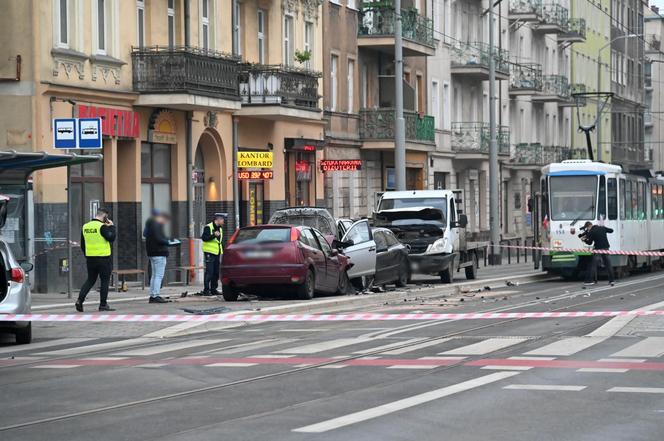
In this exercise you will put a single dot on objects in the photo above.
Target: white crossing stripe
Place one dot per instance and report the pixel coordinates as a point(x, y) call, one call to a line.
point(405, 403)
point(44, 344)
point(416, 347)
point(567, 346)
point(251, 346)
point(314, 348)
point(623, 360)
point(413, 366)
point(643, 390)
point(390, 346)
point(497, 367)
point(56, 366)
point(531, 358)
point(485, 346)
point(603, 370)
point(649, 347)
point(230, 364)
point(160, 349)
point(547, 387)
point(99, 347)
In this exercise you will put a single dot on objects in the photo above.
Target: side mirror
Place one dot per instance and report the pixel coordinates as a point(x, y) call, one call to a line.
point(27, 266)
point(461, 223)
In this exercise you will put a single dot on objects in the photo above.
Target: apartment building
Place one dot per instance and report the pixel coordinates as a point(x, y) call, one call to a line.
point(654, 93)
point(173, 81)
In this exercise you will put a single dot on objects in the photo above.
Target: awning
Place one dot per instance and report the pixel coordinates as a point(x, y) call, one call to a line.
point(15, 166)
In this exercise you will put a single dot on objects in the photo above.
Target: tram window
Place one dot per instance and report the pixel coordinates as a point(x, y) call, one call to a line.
point(641, 200)
point(622, 199)
point(601, 199)
point(612, 198)
point(654, 203)
point(660, 196)
point(628, 200)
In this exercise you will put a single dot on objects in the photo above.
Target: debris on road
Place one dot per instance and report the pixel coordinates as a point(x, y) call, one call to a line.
point(208, 311)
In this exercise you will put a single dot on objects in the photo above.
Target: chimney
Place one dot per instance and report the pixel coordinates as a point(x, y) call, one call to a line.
point(654, 9)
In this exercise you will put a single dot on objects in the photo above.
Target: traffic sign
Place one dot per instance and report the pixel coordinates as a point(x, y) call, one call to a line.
point(64, 133)
point(89, 133)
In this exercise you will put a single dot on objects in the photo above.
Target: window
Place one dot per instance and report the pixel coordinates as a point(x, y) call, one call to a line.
point(601, 203)
point(140, 23)
point(171, 23)
point(322, 243)
point(309, 42)
point(381, 241)
point(447, 106)
point(612, 198)
point(435, 103)
point(307, 238)
point(334, 68)
point(641, 201)
point(205, 24)
point(61, 23)
point(87, 193)
point(359, 233)
point(237, 30)
point(623, 199)
point(351, 4)
point(100, 25)
point(364, 85)
point(350, 81)
point(260, 18)
point(155, 178)
point(288, 40)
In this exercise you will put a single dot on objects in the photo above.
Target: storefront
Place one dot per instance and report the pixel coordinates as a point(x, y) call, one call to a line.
point(301, 170)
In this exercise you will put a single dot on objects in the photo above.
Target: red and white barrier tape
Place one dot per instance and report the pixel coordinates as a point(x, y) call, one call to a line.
point(313, 317)
point(588, 251)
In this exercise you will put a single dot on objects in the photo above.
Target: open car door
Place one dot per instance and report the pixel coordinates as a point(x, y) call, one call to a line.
point(362, 252)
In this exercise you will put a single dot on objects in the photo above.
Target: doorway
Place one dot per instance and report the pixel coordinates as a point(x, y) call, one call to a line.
point(198, 177)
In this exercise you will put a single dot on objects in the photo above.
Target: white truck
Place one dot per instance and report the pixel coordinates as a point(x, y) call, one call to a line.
point(430, 222)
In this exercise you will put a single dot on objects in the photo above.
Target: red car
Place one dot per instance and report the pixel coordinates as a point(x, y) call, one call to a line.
point(282, 255)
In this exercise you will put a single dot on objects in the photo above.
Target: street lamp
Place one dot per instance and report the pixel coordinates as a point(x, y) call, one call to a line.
point(599, 84)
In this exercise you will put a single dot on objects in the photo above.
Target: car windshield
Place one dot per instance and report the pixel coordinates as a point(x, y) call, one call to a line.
point(573, 197)
point(263, 235)
point(318, 222)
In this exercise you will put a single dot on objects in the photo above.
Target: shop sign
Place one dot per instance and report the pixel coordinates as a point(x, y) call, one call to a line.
point(255, 174)
point(163, 129)
point(255, 160)
point(302, 144)
point(331, 165)
point(115, 122)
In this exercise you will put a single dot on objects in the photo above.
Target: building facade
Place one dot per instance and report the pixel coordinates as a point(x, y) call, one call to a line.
point(654, 93)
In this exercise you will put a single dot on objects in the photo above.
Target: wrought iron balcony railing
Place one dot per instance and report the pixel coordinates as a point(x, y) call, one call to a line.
point(556, 85)
point(185, 70)
point(576, 27)
point(526, 77)
point(477, 54)
point(554, 14)
point(578, 88)
point(378, 124)
point(474, 137)
point(526, 8)
point(379, 20)
point(279, 85)
point(536, 154)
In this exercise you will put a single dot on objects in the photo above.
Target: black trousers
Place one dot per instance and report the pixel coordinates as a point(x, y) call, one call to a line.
point(98, 267)
point(591, 272)
point(211, 280)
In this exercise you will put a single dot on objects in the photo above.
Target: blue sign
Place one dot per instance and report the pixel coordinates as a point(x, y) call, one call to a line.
point(89, 133)
point(64, 133)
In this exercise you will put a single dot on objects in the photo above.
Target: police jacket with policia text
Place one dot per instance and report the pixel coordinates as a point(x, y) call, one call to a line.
point(211, 243)
point(96, 238)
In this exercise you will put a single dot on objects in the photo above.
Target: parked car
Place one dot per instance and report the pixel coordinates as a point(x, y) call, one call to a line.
point(315, 217)
point(269, 256)
point(14, 288)
point(392, 264)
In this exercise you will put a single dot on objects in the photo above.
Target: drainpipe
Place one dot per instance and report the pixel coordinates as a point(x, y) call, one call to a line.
point(188, 137)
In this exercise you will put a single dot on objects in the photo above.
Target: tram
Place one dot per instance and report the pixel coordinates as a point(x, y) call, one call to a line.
point(576, 191)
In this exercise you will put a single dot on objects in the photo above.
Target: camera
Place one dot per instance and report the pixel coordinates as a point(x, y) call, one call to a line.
point(584, 236)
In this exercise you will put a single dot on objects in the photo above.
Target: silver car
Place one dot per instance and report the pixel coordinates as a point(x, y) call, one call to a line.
point(14, 287)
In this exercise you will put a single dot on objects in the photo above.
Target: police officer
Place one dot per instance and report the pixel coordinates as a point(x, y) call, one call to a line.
point(212, 236)
point(96, 238)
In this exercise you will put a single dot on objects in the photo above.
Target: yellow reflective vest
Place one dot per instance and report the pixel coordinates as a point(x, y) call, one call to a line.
point(95, 244)
point(213, 246)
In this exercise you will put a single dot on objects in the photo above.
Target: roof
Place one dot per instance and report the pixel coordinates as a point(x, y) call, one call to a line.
point(17, 166)
point(580, 167)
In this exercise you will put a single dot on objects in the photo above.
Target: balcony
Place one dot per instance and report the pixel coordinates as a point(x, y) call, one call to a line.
point(647, 119)
point(525, 10)
point(554, 20)
point(581, 101)
point(474, 137)
point(576, 31)
point(376, 30)
point(526, 79)
point(279, 91)
point(377, 126)
point(185, 78)
point(471, 60)
point(536, 154)
point(555, 89)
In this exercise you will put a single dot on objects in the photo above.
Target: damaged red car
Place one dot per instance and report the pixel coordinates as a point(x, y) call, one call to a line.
point(275, 256)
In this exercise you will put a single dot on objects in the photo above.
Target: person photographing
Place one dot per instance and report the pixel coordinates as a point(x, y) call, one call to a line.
point(596, 235)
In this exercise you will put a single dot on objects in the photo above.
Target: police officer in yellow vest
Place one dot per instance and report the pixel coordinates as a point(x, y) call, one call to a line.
point(96, 239)
point(213, 233)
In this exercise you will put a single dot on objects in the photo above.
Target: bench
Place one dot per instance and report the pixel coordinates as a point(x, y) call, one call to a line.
point(122, 275)
point(187, 269)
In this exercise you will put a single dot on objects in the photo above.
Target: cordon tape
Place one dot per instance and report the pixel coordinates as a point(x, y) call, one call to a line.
point(586, 250)
point(314, 317)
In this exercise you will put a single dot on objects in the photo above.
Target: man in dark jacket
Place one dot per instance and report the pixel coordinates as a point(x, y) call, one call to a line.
point(597, 235)
point(96, 239)
point(212, 236)
point(156, 246)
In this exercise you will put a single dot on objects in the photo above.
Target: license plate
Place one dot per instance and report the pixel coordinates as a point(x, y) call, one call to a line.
point(258, 255)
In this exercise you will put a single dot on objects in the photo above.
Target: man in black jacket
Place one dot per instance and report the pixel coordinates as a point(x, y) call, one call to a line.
point(597, 235)
point(156, 246)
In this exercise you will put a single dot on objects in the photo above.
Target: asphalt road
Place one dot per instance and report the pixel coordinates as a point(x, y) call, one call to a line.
point(527, 379)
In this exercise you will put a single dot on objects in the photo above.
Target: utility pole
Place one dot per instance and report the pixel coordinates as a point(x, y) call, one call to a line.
point(494, 215)
point(236, 190)
point(400, 124)
point(598, 124)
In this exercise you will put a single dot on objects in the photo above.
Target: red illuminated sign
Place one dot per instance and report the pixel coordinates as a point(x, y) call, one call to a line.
point(258, 174)
point(309, 148)
point(329, 165)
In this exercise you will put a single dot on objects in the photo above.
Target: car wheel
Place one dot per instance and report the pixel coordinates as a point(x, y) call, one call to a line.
point(344, 283)
point(447, 275)
point(24, 335)
point(471, 271)
point(306, 290)
point(404, 275)
point(230, 294)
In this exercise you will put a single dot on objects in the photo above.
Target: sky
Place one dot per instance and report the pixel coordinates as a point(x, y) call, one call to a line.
point(659, 3)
